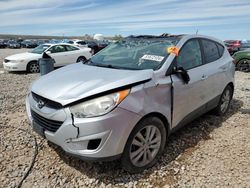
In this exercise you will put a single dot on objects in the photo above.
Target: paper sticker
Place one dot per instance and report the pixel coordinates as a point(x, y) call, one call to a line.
point(153, 58)
point(173, 50)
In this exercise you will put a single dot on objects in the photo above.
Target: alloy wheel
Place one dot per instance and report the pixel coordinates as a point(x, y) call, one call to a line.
point(34, 68)
point(225, 100)
point(145, 146)
point(81, 59)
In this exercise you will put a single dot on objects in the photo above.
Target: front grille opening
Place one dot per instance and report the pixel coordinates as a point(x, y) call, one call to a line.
point(94, 144)
point(47, 124)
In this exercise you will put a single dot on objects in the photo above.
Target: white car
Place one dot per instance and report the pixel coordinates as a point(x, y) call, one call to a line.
point(79, 43)
point(63, 54)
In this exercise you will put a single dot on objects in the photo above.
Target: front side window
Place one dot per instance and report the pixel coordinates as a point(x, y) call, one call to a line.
point(190, 55)
point(211, 52)
point(134, 53)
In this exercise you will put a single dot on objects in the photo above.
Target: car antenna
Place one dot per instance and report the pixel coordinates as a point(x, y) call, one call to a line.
point(197, 30)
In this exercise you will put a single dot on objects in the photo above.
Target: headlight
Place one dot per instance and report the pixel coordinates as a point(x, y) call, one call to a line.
point(17, 61)
point(99, 106)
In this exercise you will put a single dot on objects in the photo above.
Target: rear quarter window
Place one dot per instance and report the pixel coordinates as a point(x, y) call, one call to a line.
point(211, 51)
point(221, 49)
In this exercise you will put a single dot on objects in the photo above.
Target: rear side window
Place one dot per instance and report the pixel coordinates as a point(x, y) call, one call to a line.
point(70, 48)
point(211, 52)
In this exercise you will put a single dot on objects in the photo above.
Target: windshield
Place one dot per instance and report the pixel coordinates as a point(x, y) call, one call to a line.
point(40, 49)
point(134, 53)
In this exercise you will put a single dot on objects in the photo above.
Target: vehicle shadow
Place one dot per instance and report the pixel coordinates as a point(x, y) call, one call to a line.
point(182, 141)
point(18, 72)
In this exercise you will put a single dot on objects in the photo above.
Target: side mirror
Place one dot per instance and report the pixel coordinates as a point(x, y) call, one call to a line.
point(48, 52)
point(183, 73)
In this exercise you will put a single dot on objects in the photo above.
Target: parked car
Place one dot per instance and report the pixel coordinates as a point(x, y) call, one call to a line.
point(93, 45)
point(63, 54)
point(55, 41)
point(2, 44)
point(242, 59)
point(102, 45)
point(77, 42)
point(96, 46)
point(29, 44)
point(245, 46)
point(126, 100)
point(233, 46)
point(13, 44)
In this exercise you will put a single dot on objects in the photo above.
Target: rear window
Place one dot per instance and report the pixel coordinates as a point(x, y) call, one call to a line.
point(211, 52)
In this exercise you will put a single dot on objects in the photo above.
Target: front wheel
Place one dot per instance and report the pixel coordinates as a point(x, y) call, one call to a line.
point(33, 67)
point(81, 59)
point(225, 101)
point(145, 144)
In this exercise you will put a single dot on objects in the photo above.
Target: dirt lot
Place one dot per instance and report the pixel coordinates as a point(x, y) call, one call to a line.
point(210, 152)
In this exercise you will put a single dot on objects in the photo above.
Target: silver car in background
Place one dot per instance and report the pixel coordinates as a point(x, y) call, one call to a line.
point(126, 100)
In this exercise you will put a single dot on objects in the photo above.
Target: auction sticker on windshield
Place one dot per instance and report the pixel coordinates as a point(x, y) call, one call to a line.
point(153, 58)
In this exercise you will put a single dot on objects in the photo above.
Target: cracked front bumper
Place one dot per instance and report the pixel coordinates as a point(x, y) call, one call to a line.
point(111, 130)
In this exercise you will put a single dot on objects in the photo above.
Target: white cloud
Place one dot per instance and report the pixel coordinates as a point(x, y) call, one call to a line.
point(124, 16)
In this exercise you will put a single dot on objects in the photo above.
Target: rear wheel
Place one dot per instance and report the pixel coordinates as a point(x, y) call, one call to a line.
point(224, 102)
point(33, 67)
point(243, 65)
point(81, 59)
point(145, 144)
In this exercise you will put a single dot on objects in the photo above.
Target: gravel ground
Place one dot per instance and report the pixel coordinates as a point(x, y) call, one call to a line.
point(210, 152)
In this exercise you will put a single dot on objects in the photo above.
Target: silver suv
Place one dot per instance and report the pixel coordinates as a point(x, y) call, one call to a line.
point(126, 100)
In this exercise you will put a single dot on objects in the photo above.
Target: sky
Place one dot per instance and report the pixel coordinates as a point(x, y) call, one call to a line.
point(224, 19)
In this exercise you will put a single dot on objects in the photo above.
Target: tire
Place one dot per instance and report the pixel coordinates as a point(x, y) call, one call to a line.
point(33, 67)
point(81, 59)
point(135, 157)
point(243, 65)
point(224, 102)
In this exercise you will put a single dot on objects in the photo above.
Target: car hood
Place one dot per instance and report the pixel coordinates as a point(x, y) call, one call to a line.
point(25, 55)
point(78, 81)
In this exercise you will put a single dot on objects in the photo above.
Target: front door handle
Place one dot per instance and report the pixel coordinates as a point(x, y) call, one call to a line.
point(204, 77)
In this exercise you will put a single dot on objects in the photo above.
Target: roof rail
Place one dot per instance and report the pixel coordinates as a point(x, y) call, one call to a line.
point(164, 35)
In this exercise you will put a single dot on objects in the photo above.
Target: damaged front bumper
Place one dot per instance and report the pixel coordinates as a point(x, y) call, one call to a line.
point(97, 138)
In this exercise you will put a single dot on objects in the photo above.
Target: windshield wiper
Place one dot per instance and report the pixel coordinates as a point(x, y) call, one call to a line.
point(106, 66)
point(90, 62)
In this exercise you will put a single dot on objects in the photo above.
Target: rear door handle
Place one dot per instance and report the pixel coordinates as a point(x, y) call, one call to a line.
point(204, 77)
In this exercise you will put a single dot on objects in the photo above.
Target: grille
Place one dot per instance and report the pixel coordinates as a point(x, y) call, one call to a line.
point(47, 124)
point(47, 102)
point(6, 60)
